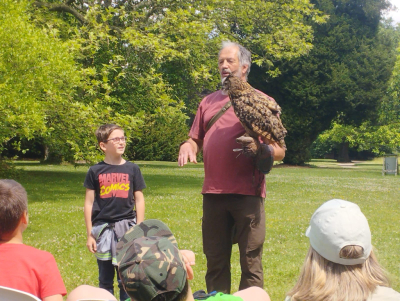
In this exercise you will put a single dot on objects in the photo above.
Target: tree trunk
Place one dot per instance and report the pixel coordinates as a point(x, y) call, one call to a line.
point(46, 153)
point(344, 153)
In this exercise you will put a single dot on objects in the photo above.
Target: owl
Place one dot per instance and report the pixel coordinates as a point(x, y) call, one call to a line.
point(257, 112)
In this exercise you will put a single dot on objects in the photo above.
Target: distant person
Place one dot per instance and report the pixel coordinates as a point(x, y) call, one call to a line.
point(113, 192)
point(152, 268)
point(340, 264)
point(23, 267)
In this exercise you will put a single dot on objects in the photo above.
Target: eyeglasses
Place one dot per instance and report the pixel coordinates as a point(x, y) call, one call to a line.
point(117, 140)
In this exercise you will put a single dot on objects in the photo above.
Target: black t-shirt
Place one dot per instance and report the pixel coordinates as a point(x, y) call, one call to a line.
point(114, 186)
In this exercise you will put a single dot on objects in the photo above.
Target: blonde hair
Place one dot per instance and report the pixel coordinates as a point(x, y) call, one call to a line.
point(321, 279)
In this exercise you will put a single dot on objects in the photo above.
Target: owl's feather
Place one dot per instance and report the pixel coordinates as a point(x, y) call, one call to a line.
point(258, 113)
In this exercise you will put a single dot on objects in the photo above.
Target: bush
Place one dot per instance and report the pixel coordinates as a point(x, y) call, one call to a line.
point(159, 136)
point(9, 171)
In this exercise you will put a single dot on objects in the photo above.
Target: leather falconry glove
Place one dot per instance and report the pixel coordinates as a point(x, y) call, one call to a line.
point(263, 153)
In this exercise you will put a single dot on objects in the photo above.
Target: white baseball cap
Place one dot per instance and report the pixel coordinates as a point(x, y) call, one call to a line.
point(336, 224)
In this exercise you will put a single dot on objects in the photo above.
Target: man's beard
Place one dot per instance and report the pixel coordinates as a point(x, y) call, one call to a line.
point(236, 73)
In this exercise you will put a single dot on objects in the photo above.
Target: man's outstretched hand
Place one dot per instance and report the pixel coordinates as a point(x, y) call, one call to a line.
point(186, 152)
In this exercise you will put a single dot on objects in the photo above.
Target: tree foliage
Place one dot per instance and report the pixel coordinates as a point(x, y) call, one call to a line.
point(375, 139)
point(68, 66)
point(379, 136)
point(141, 64)
point(36, 70)
point(390, 112)
point(45, 93)
point(345, 75)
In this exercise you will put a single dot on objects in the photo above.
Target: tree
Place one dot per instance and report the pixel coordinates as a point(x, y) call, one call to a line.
point(373, 139)
point(40, 81)
point(34, 68)
point(75, 64)
point(379, 136)
point(145, 58)
point(344, 76)
point(390, 112)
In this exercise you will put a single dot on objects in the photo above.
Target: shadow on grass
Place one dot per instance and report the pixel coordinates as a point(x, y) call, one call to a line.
point(376, 165)
point(173, 181)
point(53, 186)
point(67, 186)
point(26, 163)
point(355, 168)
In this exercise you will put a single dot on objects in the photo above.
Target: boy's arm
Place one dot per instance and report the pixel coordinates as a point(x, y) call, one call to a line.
point(89, 199)
point(139, 204)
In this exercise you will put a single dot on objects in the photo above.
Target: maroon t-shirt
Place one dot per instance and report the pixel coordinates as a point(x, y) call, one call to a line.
point(225, 170)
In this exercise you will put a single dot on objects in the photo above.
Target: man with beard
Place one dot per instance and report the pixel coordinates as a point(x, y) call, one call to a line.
point(234, 183)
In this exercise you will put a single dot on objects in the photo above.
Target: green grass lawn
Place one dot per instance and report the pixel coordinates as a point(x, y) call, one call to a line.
point(56, 196)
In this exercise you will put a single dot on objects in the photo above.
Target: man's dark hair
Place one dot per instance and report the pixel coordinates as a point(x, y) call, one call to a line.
point(167, 296)
point(104, 131)
point(13, 204)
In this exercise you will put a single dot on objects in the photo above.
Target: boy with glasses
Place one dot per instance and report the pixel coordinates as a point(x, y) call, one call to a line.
point(113, 192)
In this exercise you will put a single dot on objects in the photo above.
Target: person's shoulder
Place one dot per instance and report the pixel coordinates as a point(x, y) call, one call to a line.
point(214, 97)
point(269, 97)
point(38, 251)
point(101, 163)
point(383, 293)
point(34, 254)
point(96, 166)
point(131, 165)
point(215, 93)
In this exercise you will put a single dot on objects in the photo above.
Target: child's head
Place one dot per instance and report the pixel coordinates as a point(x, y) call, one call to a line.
point(336, 224)
point(340, 264)
point(13, 204)
point(104, 131)
point(112, 140)
point(150, 264)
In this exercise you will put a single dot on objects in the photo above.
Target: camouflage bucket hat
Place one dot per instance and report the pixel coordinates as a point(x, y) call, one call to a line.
point(149, 261)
